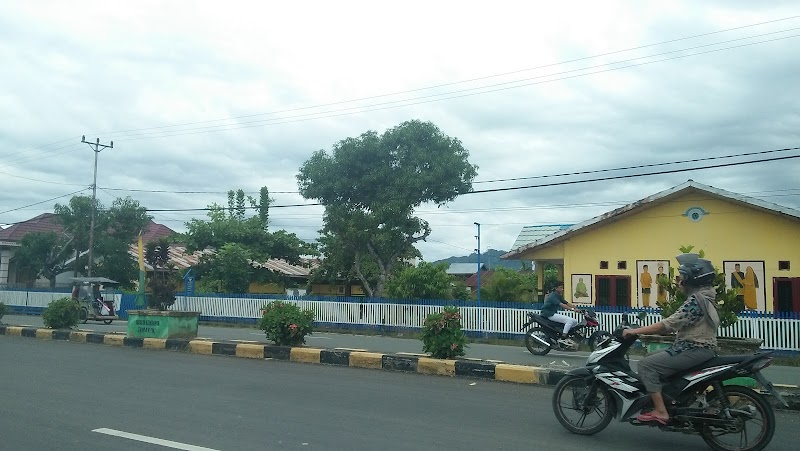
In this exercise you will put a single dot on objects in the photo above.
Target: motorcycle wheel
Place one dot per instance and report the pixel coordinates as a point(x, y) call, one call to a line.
point(599, 339)
point(533, 345)
point(753, 416)
point(83, 315)
point(568, 405)
point(107, 321)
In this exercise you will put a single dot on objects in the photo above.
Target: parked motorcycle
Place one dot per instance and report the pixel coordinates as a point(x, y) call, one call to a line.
point(727, 417)
point(544, 336)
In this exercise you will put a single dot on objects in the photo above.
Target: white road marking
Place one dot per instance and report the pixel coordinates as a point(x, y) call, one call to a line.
point(156, 441)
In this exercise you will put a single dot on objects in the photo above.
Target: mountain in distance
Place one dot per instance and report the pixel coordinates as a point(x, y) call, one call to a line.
point(490, 259)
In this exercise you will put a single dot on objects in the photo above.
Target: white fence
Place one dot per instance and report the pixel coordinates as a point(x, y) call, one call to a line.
point(780, 334)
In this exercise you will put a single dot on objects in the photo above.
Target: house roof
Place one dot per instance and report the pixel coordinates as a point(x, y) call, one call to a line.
point(48, 222)
point(182, 259)
point(462, 269)
point(472, 281)
point(45, 222)
point(660, 197)
point(532, 233)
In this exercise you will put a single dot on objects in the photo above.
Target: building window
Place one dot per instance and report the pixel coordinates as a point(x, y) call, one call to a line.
point(622, 265)
point(783, 265)
point(603, 264)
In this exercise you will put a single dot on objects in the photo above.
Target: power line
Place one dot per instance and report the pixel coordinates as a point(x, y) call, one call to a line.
point(436, 86)
point(38, 203)
point(441, 97)
point(594, 171)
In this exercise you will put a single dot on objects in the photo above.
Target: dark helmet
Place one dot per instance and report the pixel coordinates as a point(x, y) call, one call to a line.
point(695, 271)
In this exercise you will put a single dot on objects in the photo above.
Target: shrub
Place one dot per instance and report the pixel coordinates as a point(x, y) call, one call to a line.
point(728, 304)
point(442, 336)
point(3, 310)
point(285, 323)
point(61, 314)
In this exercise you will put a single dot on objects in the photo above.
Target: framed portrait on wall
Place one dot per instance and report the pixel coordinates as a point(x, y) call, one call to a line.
point(747, 277)
point(649, 292)
point(581, 289)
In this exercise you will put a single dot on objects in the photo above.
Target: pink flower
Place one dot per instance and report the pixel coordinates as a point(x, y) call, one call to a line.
point(453, 346)
point(293, 326)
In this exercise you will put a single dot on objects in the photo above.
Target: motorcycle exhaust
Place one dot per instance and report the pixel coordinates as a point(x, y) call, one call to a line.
point(540, 340)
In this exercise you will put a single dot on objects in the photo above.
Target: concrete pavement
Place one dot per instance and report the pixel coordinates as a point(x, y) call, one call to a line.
point(498, 362)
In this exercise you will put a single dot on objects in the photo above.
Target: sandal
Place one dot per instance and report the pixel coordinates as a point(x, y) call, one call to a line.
point(650, 417)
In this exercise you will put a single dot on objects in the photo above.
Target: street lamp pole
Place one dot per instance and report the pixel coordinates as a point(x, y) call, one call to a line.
point(97, 148)
point(479, 262)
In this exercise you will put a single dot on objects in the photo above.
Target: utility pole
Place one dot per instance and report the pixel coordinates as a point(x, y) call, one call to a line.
point(97, 148)
point(479, 262)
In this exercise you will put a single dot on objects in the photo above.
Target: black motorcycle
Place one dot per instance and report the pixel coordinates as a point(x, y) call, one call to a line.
point(728, 417)
point(545, 335)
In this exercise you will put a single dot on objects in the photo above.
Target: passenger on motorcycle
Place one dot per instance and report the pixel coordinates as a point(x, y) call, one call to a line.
point(552, 302)
point(695, 323)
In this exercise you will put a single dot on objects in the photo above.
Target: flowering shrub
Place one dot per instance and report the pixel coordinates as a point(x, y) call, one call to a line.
point(61, 314)
point(729, 305)
point(442, 335)
point(286, 324)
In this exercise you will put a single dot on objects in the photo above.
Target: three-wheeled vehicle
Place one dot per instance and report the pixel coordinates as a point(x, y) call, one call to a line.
point(95, 297)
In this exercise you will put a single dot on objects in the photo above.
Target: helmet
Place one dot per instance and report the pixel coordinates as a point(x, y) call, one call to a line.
point(695, 271)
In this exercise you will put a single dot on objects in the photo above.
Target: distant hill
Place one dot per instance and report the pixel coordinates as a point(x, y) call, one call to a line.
point(491, 259)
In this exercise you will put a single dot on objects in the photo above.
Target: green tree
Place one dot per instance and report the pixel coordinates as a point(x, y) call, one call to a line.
point(509, 285)
point(238, 238)
point(163, 283)
point(115, 230)
point(76, 218)
point(232, 268)
point(370, 186)
point(426, 281)
point(41, 254)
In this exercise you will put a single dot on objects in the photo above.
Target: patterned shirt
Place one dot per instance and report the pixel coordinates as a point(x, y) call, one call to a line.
point(693, 331)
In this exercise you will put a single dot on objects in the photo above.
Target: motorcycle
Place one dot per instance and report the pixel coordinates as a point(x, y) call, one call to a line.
point(727, 417)
point(544, 337)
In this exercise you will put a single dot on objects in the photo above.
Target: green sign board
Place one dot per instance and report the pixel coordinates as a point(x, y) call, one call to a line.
point(145, 324)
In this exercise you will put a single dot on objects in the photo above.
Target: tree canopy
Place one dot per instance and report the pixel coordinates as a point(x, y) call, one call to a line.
point(238, 239)
point(427, 281)
point(370, 186)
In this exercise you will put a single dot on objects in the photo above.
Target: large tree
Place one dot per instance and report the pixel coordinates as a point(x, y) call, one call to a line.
point(370, 186)
point(41, 254)
point(115, 230)
point(239, 238)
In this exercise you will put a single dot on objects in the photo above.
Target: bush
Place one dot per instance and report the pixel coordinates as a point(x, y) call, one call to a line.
point(286, 324)
point(442, 336)
point(61, 314)
point(3, 310)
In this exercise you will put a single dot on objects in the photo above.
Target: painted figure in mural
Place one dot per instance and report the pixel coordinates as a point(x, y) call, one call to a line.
point(737, 282)
point(580, 289)
point(646, 280)
point(749, 288)
point(661, 278)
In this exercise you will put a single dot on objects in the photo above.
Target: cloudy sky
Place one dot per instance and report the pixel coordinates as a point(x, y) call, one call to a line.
point(201, 97)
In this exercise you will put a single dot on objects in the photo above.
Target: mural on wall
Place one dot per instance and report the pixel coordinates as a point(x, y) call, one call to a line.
point(648, 273)
point(748, 278)
point(581, 288)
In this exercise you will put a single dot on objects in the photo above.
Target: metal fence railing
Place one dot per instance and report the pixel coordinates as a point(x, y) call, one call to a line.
point(780, 331)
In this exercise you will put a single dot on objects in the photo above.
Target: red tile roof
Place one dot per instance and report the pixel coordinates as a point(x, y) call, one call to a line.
point(45, 222)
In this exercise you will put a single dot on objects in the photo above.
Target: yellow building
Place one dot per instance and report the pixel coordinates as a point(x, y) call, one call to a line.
point(616, 259)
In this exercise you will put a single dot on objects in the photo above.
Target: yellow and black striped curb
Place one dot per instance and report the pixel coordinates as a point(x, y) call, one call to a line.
point(421, 364)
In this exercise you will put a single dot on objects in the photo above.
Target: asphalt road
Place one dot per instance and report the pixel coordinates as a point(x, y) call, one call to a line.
point(509, 354)
point(71, 396)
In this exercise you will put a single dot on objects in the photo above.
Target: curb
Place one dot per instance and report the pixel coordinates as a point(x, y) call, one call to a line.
point(421, 364)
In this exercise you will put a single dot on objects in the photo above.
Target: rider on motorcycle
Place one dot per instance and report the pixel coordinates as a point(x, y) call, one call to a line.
point(695, 323)
point(552, 302)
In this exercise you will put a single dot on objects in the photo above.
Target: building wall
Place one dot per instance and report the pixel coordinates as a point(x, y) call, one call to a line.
point(728, 232)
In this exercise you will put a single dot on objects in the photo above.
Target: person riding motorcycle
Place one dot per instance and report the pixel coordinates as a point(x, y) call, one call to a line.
point(695, 323)
point(552, 302)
